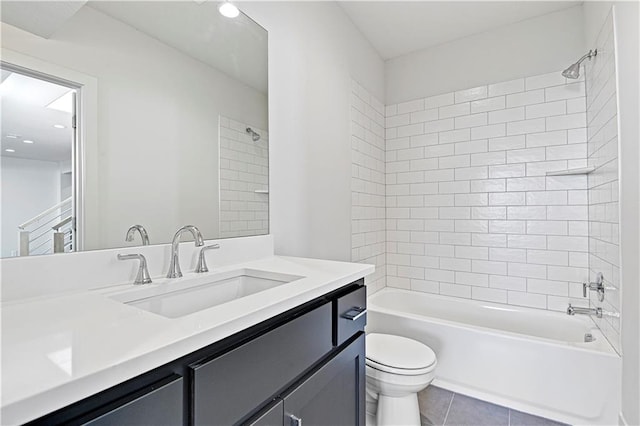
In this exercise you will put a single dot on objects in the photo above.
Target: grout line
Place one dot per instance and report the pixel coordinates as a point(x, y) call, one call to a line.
point(446, 416)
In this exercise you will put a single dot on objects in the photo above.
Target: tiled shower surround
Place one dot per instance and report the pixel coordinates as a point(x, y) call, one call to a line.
point(472, 207)
point(470, 210)
point(244, 169)
point(368, 184)
point(602, 147)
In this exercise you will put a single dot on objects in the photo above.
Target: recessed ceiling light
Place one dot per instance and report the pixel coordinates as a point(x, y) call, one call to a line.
point(228, 10)
point(12, 136)
point(27, 141)
point(10, 150)
point(59, 126)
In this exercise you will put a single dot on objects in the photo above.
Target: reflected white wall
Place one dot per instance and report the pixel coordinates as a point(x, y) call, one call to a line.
point(28, 188)
point(157, 148)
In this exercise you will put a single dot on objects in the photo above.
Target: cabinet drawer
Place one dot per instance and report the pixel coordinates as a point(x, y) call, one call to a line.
point(351, 315)
point(160, 406)
point(228, 388)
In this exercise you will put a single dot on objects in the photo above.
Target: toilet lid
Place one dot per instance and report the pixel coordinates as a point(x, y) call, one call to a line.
point(398, 354)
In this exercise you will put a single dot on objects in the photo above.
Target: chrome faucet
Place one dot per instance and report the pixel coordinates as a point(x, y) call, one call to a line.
point(141, 230)
point(202, 262)
point(174, 264)
point(598, 312)
point(143, 273)
point(573, 310)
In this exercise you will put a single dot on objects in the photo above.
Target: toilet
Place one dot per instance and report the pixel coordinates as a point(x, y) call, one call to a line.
point(397, 369)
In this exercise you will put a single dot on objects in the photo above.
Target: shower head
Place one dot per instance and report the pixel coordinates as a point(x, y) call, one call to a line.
point(574, 70)
point(255, 136)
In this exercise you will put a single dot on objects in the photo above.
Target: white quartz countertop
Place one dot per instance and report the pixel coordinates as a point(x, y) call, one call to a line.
point(57, 350)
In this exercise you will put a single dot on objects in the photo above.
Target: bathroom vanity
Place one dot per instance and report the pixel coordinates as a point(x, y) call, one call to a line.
point(306, 363)
point(294, 351)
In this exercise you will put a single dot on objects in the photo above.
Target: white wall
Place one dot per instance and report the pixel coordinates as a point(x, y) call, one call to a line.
point(314, 51)
point(627, 23)
point(157, 148)
point(28, 188)
point(531, 47)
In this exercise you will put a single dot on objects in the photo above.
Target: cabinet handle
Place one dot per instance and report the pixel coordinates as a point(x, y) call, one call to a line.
point(354, 313)
point(295, 420)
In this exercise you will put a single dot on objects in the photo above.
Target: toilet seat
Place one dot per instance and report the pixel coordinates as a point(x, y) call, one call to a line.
point(398, 355)
point(399, 371)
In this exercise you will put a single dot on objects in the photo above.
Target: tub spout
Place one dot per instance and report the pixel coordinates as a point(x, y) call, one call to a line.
point(572, 310)
point(598, 312)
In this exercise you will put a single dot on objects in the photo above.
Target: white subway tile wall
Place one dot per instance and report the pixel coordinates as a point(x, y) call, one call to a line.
point(470, 211)
point(244, 169)
point(368, 178)
point(602, 147)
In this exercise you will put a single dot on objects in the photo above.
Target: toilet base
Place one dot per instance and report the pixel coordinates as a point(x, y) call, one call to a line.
point(402, 410)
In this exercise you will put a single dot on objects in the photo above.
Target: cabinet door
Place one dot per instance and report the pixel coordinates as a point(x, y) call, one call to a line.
point(231, 387)
point(334, 395)
point(271, 417)
point(162, 405)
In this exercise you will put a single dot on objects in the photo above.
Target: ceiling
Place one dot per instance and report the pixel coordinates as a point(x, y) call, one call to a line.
point(237, 47)
point(25, 116)
point(40, 18)
point(396, 28)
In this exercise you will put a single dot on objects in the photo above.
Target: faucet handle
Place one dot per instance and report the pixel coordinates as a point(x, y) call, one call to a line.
point(598, 286)
point(143, 276)
point(202, 262)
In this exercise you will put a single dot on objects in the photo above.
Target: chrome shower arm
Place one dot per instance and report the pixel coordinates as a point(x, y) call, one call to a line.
point(589, 55)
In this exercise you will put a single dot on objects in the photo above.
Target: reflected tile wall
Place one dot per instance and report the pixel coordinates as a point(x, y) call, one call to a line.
point(368, 184)
point(244, 169)
point(602, 150)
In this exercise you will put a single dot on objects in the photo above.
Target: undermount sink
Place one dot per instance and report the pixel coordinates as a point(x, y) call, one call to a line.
point(186, 296)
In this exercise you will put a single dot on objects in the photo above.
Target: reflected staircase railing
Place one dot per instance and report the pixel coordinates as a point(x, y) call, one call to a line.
point(50, 231)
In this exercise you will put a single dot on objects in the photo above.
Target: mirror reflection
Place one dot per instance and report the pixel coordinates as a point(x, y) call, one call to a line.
point(124, 120)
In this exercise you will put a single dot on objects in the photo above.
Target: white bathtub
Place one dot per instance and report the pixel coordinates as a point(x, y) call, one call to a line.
point(530, 360)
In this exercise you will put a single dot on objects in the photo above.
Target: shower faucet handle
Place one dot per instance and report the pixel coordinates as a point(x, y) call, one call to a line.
point(598, 286)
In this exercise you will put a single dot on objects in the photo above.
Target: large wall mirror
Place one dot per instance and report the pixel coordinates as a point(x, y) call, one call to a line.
point(125, 113)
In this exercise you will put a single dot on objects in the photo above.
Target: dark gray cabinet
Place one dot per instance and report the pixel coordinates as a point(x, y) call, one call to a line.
point(271, 417)
point(351, 314)
point(231, 386)
point(159, 406)
point(333, 395)
point(306, 363)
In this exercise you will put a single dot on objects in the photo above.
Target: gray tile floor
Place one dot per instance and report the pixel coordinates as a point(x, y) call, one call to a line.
point(439, 407)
